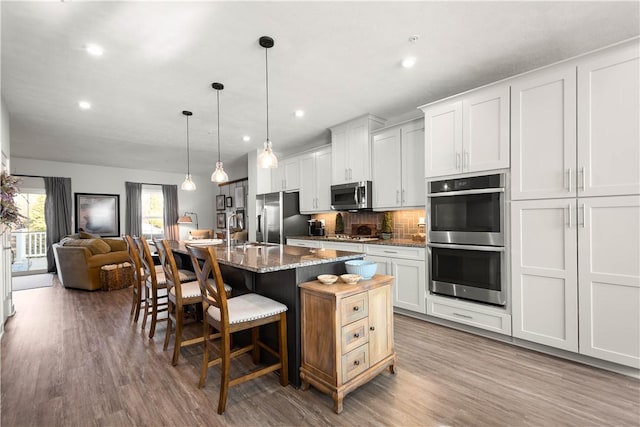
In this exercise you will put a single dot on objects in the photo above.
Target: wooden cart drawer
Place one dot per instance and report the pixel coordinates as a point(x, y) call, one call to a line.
point(355, 308)
point(354, 335)
point(355, 362)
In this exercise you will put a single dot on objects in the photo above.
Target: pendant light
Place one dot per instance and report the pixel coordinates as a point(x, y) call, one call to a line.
point(219, 175)
point(188, 184)
point(267, 159)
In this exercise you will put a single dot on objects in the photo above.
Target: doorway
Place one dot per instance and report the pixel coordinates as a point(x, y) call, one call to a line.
point(29, 239)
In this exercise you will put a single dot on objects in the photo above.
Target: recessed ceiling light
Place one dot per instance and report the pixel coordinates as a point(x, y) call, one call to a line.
point(299, 113)
point(84, 105)
point(246, 138)
point(409, 62)
point(94, 49)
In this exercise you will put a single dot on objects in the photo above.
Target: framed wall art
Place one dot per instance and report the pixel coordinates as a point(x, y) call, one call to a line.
point(239, 193)
point(220, 202)
point(229, 202)
point(98, 214)
point(221, 220)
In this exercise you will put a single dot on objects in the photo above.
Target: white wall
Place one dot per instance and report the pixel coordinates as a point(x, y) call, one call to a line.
point(110, 180)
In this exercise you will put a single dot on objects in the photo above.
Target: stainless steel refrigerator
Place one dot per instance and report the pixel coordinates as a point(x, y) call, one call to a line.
point(279, 216)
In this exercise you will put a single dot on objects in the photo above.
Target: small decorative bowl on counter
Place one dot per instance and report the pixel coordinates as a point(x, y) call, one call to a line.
point(364, 268)
point(327, 279)
point(350, 279)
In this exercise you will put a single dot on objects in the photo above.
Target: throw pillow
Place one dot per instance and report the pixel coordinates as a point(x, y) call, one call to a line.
point(95, 246)
point(85, 235)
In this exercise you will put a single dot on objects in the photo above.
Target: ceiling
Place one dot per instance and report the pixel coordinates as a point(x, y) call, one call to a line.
point(334, 60)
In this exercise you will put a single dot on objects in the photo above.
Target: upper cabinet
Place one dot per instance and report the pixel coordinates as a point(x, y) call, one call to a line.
point(315, 188)
point(608, 124)
point(397, 166)
point(286, 177)
point(469, 133)
point(351, 159)
point(549, 158)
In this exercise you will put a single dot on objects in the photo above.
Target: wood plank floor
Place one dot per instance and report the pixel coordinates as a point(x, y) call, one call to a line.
point(73, 358)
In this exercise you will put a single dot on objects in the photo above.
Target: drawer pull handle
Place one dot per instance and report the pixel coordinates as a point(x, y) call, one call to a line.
point(462, 315)
point(356, 335)
point(372, 328)
point(356, 308)
point(390, 252)
point(356, 362)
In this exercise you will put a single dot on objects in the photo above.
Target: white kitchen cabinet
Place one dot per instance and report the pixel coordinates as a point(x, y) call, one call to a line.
point(286, 177)
point(544, 272)
point(481, 316)
point(576, 276)
point(350, 155)
point(397, 166)
point(543, 134)
point(315, 187)
point(469, 133)
point(609, 278)
point(608, 124)
point(408, 266)
point(343, 246)
point(304, 243)
point(549, 158)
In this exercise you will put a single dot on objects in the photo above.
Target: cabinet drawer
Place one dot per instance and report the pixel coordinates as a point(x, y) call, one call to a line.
point(355, 362)
point(461, 312)
point(354, 308)
point(354, 335)
point(396, 251)
point(304, 243)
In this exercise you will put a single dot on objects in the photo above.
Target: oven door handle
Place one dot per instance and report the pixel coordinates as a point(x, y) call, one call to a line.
point(466, 192)
point(467, 247)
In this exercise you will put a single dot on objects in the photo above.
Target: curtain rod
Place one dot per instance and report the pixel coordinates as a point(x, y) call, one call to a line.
point(34, 176)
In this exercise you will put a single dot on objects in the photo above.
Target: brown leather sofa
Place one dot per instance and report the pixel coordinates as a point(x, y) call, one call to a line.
point(79, 260)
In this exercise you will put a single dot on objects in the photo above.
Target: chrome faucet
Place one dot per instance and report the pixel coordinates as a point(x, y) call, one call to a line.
point(233, 215)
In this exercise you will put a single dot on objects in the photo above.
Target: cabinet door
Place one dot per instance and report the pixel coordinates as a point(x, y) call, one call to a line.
point(380, 324)
point(609, 277)
point(291, 174)
point(486, 129)
point(544, 272)
point(339, 165)
point(386, 153)
point(608, 124)
point(543, 134)
point(409, 289)
point(323, 184)
point(343, 246)
point(359, 166)
point(277, 178)
point(308, 183)
point(443, 139)
point(413, 190)
point(384, 266)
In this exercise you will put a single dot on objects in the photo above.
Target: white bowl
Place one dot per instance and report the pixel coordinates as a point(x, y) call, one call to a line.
point(327, 279)
point(350, 279)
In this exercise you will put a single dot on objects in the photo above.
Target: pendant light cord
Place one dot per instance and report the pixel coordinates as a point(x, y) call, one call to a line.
point(266, 72)
point(218, 97)
point(188, 165)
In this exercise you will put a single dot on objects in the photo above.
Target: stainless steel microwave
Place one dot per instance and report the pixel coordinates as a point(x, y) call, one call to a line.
point(354, 196)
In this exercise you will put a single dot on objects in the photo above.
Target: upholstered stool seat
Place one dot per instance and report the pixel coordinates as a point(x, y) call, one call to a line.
point(247, 307)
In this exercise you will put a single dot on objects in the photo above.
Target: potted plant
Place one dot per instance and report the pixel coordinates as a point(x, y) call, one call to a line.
point(387, 225)
point(339, 223)
point(9, 213)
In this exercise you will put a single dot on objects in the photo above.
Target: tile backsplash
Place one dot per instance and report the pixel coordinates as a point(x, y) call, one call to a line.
point(405, 223)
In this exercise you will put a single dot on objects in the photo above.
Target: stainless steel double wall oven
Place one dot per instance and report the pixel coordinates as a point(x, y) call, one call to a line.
point(466, 238)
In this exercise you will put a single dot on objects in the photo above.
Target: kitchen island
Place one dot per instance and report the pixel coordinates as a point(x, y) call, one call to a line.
point(275, 271)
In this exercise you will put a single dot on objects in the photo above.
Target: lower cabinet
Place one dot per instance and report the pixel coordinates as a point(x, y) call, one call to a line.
point(495, 319)
point(304, 243)
point(347, 335)
point(408, 266)
point(576, 275)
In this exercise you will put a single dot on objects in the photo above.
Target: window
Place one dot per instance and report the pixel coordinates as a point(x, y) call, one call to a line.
point(152, 211)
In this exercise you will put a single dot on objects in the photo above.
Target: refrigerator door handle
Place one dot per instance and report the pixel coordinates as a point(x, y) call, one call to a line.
point(265, 235)
point(258, 223)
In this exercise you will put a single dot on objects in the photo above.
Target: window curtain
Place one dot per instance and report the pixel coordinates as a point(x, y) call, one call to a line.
point(170, 196)
point(133, 215)
point(57, 213)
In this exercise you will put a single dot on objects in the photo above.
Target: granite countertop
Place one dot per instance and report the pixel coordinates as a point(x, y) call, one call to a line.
point(389, 242)
point(272, 257)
